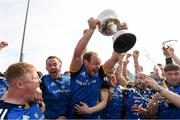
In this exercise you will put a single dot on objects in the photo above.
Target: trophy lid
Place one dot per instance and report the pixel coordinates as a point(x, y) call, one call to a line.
point(107, 14)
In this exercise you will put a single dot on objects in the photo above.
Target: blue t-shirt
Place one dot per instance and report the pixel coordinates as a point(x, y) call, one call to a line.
point(114, 108)
point(86, 89)
point(168, 110)
point(19, 112)
point(3, 87)
point(56, 96)
point(134, 97)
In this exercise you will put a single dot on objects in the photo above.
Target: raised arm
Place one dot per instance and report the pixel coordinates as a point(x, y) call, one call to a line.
point(125, 70)
point(174, 56)
point(136, 61)
point(109, 64)
point(170, 55)
point(118, 72)
point(81, 46)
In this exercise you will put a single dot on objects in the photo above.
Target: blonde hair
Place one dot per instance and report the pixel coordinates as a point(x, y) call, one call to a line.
point(17, 70)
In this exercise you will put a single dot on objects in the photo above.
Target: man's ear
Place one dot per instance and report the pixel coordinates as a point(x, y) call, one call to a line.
point(85, 62)
point(19, 84)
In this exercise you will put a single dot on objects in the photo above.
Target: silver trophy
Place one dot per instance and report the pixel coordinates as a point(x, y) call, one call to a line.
point(110, 25)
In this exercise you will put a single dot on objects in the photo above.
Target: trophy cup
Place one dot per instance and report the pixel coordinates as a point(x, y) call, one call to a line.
point(110, 25)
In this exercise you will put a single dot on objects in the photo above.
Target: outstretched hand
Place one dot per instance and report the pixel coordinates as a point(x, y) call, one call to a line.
point(3, 44)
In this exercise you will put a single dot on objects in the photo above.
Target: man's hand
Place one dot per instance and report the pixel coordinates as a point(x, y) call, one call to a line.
point(3, 44)
point(92, 23)
point(82, 108)
point(168, 52)
point(139, 110)
point(135, 54)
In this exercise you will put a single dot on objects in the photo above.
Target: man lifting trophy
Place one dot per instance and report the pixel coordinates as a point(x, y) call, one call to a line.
point(110, 25)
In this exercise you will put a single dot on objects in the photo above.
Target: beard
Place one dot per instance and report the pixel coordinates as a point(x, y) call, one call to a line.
point(139, 86)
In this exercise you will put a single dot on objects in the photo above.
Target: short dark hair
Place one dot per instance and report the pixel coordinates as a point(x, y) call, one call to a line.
point(87, 55)
point(171, 67)
point(52, 57)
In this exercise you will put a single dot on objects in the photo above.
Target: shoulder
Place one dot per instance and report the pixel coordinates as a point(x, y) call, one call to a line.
point(101, 72)
point(6, 105)
point(65, 77)
point(81, 71)
point(45, 77)
point(3, 81)
point(21, 111)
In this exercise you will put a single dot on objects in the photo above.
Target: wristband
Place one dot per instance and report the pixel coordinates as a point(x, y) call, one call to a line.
point(169, 60)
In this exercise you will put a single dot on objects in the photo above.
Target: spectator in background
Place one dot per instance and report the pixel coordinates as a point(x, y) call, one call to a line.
point(20, 101)
point(55, 87)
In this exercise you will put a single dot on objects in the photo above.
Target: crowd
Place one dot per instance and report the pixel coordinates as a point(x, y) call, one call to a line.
point(90, 89)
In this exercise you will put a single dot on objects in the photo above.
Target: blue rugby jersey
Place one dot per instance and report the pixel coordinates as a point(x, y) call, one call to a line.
point(3, 86)
point(20, 112)
point(114, 108)
point(56, 96)
point(86, 89)
point(134, 97)
point(168, 110)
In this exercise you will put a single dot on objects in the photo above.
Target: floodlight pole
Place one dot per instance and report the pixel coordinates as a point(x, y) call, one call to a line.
point(25, 22)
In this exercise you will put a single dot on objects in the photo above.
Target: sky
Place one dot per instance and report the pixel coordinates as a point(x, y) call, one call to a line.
point(55, 26)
